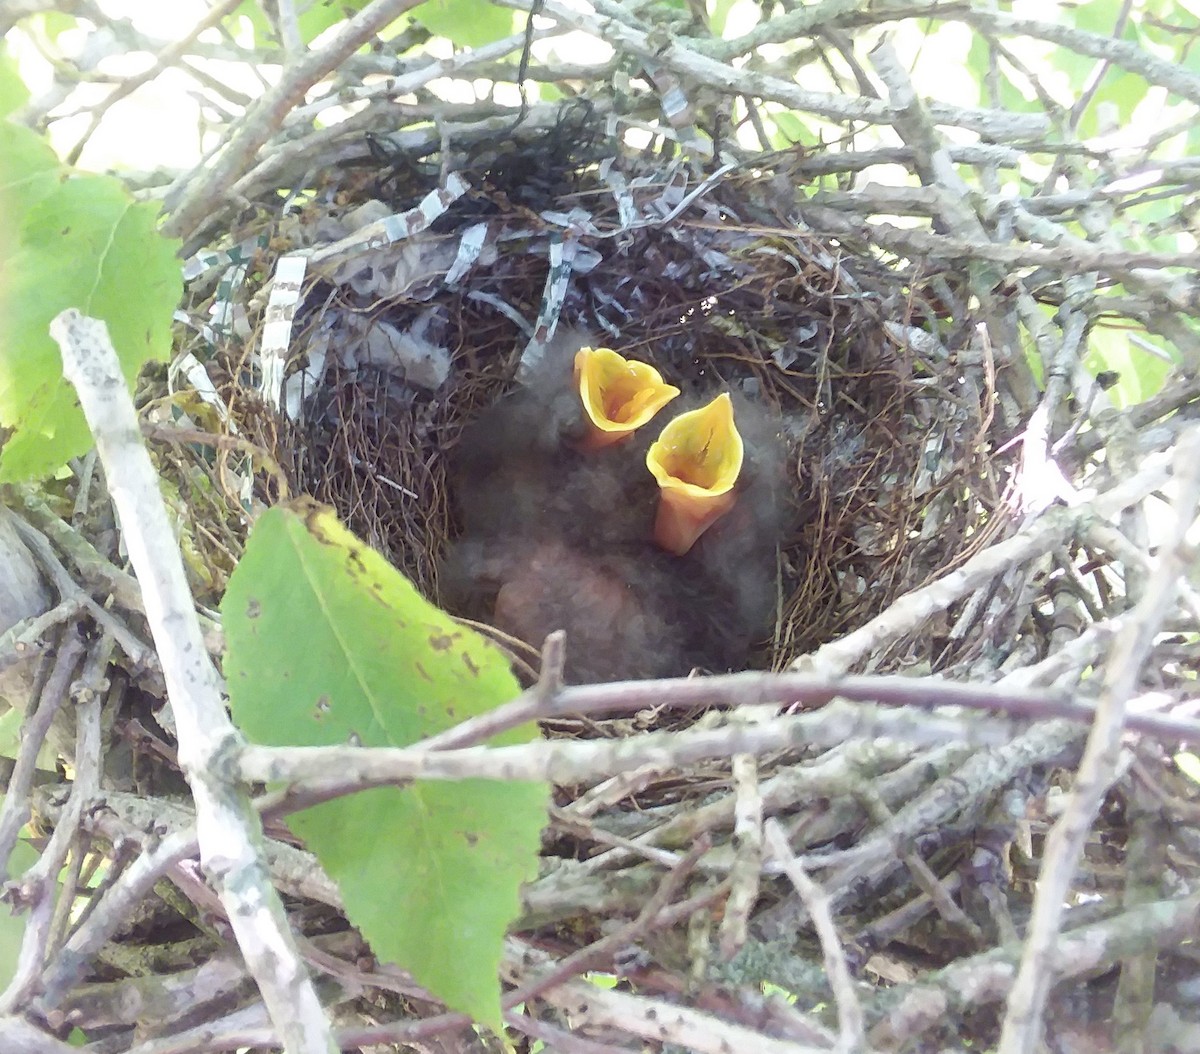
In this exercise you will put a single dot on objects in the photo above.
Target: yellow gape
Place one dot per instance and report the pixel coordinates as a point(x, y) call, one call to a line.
point(619, 395)
point(697, 461)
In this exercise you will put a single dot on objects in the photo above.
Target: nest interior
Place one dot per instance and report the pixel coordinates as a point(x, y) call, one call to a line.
point(701, 275)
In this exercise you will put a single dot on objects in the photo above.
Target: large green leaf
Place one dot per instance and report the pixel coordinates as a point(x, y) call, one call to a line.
point(79, 241)
point(328, 644)
point(13, 92)
point(28, 172)
point(468, 23)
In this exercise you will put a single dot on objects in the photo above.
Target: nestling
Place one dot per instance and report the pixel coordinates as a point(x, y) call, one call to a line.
point(653, 547)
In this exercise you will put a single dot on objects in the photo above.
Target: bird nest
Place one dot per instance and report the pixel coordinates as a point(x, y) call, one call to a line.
point(907, 432)
point(397, 346)
point(979, 499)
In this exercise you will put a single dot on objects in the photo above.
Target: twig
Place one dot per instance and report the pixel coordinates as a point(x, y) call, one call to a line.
point(69, 591)
point(334, 771)
point(94, 568)
point(1122, 53)
point(1063, 259)
point(550, 681)
point(922, 874)
point(851, 1030)
point(198, 192)
point(1147, 863)
point(1043, 535)
point(675, 54)
point(601, 952)
point(169, 55)
point(987, 978)
point(109, 914)
point(979, 775)
point(746, 869)
point(14, 811)
point(1023, 1020)
point(40, 882)
point(664, 1021)
point(18, 1036)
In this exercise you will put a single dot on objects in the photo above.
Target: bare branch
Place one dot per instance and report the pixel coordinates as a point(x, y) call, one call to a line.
point(228, 830)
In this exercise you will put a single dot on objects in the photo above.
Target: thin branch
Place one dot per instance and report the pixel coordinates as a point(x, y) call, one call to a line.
point(851, 1030)
point(987, 978)
point(198, 192)
point(165, 59)
point(1023, 1021)
point(40, 882)
point(15, 809)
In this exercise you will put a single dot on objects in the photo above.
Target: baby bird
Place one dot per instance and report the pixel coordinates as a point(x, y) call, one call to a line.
point(655, 553)
point(564, 444)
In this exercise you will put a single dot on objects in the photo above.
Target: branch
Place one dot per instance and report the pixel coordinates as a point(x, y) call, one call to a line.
point(670, 53)
point(849, 1009)
point(1023, 1022)
point(199, 191)
point(228, 829)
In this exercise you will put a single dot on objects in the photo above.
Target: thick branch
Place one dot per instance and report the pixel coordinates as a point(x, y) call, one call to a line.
point(228, 829)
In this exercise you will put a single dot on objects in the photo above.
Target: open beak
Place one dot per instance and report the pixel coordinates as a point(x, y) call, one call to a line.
point(619, 395)
point(696, 461)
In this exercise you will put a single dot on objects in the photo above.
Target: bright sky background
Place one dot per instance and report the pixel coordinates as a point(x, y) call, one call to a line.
point(159, 123)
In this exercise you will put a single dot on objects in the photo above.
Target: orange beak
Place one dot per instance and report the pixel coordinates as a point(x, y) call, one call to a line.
point(697, 461)
point(619, 395)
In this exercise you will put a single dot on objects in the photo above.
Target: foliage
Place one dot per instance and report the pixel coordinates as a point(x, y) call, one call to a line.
point(13, 92)
point(469, 23)
point(312, 18)
point(12, 925)
point(80, 242)
point(328, 644)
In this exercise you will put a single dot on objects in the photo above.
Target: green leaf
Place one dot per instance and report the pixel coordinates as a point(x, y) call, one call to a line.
point(1115, 99)
point(329, 644)
point(13, 92)
point(55, 23)
point(1078, 68)
point(1189, 765)
point(1095, 16)
point(788, 130)
point(1013, 95)
point(10, 732)
point(10, 739)
point(312, 18)
point(12, 927)
point(1140, 373)
point(468, 23)
point(29, 170)
point(81, 242)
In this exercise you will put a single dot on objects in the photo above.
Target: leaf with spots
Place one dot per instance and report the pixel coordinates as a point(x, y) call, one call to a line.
point(328, 644)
